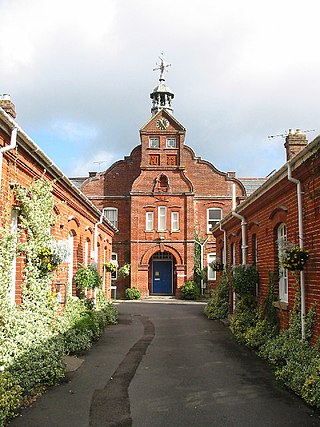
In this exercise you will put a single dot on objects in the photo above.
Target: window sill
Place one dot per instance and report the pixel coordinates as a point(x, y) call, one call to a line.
point(281, 305)
point(175, 231)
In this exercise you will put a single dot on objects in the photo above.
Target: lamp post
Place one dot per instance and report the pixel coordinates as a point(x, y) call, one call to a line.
point(202, 245)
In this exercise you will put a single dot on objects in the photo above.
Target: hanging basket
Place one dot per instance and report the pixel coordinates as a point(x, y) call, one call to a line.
point(294, 258)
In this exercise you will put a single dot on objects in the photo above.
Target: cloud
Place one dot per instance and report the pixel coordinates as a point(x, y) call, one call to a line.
point(80, 74)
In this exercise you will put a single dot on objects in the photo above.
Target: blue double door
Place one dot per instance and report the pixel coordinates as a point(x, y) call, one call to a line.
point(162, 277)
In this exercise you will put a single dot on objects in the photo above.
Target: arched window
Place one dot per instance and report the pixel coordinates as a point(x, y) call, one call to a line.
point(283, 272)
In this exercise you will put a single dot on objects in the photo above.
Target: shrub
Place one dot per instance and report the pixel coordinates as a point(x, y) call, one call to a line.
point(218, 305)
point(10, 396)
point(190, 291)
point(244, 317)
point(133, 293)
point(108, 309)
point(245, 279)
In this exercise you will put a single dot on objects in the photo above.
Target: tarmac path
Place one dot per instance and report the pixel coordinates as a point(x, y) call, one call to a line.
point(166, 365)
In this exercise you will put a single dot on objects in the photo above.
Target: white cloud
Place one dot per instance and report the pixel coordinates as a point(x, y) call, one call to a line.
point(82, 71)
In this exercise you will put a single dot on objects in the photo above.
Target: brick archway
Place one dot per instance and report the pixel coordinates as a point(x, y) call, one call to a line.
point(162, 248)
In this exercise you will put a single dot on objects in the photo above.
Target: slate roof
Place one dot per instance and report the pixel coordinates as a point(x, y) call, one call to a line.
point(252, 184)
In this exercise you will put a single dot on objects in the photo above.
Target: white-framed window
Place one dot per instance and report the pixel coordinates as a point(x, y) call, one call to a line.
point(114, 260)
point(283, 272)
point(112, 215)
point(70, 261)
point(171, 143)
point(212, 275)
point(149, 221)
point(14, 229)
point(214, 216)
point(154, 142)
point(162, 218)
point(174, 221)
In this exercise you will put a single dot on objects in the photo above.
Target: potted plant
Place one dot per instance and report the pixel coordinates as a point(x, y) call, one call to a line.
point(294, 258)
point(87, 277)
point(110, 266)
point(216, 265)
point(124, 271)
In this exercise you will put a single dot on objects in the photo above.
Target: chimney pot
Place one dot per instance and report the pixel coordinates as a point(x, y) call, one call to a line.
point(7, 105)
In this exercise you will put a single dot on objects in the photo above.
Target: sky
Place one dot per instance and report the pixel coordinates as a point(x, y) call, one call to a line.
point(80, 74)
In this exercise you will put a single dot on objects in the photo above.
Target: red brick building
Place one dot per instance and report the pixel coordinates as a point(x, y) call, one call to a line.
point(286, 208)
point(158, 197)
point(79, 223)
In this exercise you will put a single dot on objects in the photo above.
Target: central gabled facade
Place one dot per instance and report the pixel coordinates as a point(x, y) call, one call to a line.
point(158, 198)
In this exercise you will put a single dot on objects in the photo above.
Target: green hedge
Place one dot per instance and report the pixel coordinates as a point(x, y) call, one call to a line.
point(190, 291)
point(218, 305)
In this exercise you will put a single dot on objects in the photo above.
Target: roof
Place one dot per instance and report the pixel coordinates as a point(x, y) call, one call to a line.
point(252, 184)
point(78, 181)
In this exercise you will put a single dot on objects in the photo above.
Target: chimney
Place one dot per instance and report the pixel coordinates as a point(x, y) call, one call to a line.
point(296, 141)
point(7, 105)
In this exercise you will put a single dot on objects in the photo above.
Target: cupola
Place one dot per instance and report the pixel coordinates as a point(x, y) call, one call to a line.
point(161, 95)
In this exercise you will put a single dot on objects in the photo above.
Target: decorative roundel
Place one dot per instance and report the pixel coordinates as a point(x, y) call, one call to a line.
point(162, 123)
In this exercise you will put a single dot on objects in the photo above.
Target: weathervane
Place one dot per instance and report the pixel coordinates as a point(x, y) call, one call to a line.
point(162, 67)
point(284, 135)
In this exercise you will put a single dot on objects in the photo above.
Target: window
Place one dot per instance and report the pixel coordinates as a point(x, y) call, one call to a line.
point(174, 221)
point(112, 215)
point(149, 221)
point(114, 260)
point(154, 142)
point(212, 275)
point(214, 216)
point(162, 220)
point(171, 143)
point(283, 272)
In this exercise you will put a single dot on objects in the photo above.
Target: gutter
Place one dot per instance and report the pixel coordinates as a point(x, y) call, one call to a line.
point(13, 143)
point(300, 227)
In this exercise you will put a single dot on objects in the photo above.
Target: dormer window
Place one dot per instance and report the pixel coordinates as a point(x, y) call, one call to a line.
point(154, 142)
point(171, 143)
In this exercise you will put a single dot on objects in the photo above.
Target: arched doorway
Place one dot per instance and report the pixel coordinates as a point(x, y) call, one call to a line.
point(162, 273)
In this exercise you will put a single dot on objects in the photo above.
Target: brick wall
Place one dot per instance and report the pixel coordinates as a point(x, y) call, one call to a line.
point(133, 187)
point(265, 211)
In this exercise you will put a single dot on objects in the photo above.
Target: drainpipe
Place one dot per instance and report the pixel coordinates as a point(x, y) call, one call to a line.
point(95, 259)
point(300, 226)
point(243, 225)
point(201, 260)
point(13, 143)
point(224, 254)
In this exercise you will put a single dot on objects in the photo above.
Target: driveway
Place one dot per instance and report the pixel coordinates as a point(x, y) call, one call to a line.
point(166, 365)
